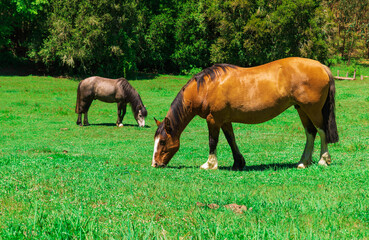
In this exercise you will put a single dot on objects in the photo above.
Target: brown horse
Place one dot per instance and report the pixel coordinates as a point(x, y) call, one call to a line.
point(225, 93)
point(109, 90)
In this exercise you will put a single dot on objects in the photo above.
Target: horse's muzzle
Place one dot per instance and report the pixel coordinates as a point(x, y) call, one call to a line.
point(157, 165)
point(141, 123)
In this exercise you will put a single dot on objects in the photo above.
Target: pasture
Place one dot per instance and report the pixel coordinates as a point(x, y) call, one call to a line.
point(59, 180)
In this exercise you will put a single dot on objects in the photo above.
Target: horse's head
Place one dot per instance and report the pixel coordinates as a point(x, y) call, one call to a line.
point(140, 115)
point(165, 145)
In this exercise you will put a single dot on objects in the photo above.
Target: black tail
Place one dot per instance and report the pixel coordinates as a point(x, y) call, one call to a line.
point(329, 117)
point(78, 98)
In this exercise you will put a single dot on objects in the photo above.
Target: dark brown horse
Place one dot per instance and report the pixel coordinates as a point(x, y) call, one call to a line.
point(110, 91)
point(225, 93)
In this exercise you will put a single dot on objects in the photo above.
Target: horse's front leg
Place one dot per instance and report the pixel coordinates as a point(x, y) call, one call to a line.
point(121, 112)
point(212, 162)
point(79, 119)
point(239, 161)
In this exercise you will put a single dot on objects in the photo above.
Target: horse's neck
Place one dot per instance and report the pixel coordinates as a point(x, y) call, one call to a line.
point(133, 98)
point(181, 119)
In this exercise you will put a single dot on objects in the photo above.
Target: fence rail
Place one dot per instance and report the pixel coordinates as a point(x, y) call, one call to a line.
point(347, 77)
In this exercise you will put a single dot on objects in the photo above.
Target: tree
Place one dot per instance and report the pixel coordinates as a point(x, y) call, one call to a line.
point(284, 28)
point(20, 25)
point(352, 18)
point(192, 41)
point(91, 37)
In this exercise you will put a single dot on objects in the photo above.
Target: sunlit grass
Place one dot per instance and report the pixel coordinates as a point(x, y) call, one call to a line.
point(59, 180)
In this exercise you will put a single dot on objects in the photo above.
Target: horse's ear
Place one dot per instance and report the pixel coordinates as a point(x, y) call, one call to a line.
point(157, 122)
point(167, 126)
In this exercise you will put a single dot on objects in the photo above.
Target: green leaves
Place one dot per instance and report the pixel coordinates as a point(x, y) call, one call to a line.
point(29, 7)
point(118, 38)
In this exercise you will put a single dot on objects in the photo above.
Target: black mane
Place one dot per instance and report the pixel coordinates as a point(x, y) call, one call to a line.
point(133, 97)
point(178, 110)
point(212, 72)
point(177, 106)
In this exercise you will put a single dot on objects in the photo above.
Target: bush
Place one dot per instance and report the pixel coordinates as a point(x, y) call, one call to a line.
point(119, 38)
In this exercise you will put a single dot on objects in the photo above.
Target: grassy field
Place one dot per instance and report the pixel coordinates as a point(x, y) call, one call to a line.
point(62, 181)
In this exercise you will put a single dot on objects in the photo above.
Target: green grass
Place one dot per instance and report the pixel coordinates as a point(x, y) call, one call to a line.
point(62, 181)
point(361, 67)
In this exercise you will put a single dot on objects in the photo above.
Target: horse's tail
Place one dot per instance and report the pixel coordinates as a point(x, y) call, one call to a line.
point(329, 117)
point(78, 98)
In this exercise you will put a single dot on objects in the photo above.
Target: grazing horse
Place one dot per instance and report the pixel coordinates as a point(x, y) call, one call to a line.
point(109, 90)
point(225, 93)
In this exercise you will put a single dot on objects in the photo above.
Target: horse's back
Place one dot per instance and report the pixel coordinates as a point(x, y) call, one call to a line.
point(286, 80)
point(103, 89)
point(257, 94)
point(309, 80)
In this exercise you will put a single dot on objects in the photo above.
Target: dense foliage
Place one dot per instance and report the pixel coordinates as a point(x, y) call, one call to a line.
point(115, 38)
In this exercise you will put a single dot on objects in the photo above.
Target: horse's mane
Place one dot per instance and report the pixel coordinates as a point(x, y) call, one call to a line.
point(132, 96)
point(177, 109)
point(212, 72)
point(177, 106)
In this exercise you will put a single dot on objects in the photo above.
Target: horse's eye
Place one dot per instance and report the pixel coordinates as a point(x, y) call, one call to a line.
point(162, 142)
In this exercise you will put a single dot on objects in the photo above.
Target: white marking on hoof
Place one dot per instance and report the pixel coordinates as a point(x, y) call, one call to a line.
point(322, 163)
point(212, 162)
point(301, 166)
point(120, 125)
point(325, 159)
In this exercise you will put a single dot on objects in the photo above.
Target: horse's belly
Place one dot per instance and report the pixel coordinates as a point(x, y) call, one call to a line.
point(106, 94)
point(108, 98)
point(254, 117)
point(244, 114)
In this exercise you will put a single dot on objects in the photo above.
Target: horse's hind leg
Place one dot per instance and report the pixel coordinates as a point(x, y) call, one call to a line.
point(314, 114)
point(325, 158)
point(316, 117)
point(310, 131)
point(239, 161)
point(86, 106)
point(85, 120)
point(212, 162)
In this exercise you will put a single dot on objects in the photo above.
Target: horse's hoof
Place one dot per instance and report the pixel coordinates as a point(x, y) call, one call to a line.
point(237, 168)
point(322, 162)
point(325, 159)
point(207, 167)
point(301, 166)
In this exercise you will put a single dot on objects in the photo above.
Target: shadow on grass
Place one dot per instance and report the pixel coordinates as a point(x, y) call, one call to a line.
point(261, 167)
point(274, 166)
point(114, 125)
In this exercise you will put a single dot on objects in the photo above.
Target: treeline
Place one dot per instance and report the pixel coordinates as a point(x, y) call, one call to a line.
point(115, 38)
